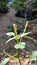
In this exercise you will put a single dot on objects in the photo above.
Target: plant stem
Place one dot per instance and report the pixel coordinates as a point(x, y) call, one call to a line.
point(25, 28)
point(19, 59)
point(26, 25)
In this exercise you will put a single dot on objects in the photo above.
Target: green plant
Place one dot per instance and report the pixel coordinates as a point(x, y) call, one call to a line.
point(4, 61)
point(3, 1)
point(34, 4)
point(18, 38)
point(33, 56)
point(18, 4)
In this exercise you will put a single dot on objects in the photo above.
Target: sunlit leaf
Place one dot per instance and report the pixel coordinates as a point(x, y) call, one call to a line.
point(6, 60)
point(33, 55)
point(15, 37)
point(20, 45)
point(10, 34)
point(10, 39)
point(24, 34)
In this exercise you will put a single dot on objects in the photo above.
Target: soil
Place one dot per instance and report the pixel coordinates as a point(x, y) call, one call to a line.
point(10, 18)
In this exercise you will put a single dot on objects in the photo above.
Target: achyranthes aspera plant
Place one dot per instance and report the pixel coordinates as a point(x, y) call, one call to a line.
point(18, 38)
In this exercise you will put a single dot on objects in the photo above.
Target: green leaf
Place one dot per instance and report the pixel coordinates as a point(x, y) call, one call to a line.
point(15, 37)
point(20, 45)
point(33, 55)
point(24, 34)
point(18, 37)
point(10, 39)
point(10, 34)
point(6, 60)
